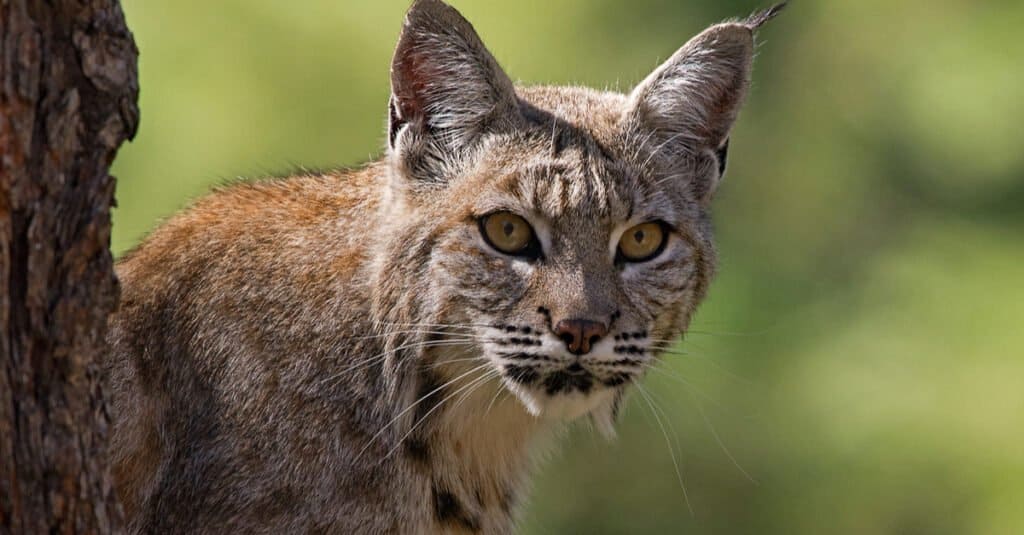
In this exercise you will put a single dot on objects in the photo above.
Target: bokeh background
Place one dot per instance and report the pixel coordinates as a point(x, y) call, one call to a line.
point(859, 366)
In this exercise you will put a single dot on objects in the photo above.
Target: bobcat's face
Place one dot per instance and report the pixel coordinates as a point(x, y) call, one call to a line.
point(574, 268)
point(564, 232)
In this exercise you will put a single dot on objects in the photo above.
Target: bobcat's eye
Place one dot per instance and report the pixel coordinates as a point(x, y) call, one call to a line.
point(643, 242)
point(509, 234)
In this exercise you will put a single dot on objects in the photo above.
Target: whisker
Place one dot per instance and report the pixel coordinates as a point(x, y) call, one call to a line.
point(721, 444)
point(658, 407)
point(670, 349)
point(501, 390)
point(434, 408)
point(490, 375)
point(383, 355)
point(386, 426)
point(681, 380)
point(432, 325)
point(718, 366)
point(668, 443)
point(761, 332)
point(443, 362)
point(391, 333)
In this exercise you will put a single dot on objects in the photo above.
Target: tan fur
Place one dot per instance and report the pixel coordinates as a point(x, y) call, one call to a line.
point(343, 352)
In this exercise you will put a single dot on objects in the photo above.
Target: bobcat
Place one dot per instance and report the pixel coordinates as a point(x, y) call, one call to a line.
point(386, 349)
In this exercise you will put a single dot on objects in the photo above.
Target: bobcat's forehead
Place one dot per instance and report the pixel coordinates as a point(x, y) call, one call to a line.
point(573, 184)
point(598, 113)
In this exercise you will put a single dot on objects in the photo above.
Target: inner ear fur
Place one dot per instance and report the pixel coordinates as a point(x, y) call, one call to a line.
point(447, 90)
point(685, 109)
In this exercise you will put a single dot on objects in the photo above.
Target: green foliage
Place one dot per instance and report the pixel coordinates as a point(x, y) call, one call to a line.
point(861, 353)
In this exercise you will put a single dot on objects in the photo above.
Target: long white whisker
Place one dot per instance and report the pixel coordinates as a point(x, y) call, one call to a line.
point(391, 333)
point(428, 343)
point(435, 407)
point(444, 362)
point(413, 324)
point(672, 428)
point(501, 390)
point(721, 444)
point(490, 375)
point(386, 426)
point(365, 363)
point(705, 358)
point(672, 454)
point(730, 333)
point(681, 380)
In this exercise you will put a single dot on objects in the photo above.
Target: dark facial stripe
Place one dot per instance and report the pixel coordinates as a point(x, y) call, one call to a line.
point(558, 382)
point(522, 374)
point(617, 405)
point(524, 329)
point(547, 315)
point(417, 450)
point(430, 393)
point(525, 356)
point(616, 379)
point(449, 511)
point(516, 341)
point(621, 362)
point(635, 336)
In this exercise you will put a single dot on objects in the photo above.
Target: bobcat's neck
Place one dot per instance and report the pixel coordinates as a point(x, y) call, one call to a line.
point(470, 440)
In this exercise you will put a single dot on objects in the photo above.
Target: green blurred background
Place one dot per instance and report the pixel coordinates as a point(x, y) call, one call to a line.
point(858, 367)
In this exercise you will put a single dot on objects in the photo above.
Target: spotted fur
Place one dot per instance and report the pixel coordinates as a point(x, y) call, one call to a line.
point(343, 352)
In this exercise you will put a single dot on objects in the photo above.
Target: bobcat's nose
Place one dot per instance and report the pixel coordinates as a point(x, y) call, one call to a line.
point(580, 335)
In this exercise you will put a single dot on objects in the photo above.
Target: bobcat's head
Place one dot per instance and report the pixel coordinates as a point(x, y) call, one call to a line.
point(561, 233)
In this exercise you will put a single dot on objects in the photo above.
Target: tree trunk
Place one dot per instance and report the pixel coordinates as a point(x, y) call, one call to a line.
point(68, 90)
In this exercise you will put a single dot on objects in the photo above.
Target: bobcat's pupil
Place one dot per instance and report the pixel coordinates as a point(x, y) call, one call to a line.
point(642, 242)
point(509, 234)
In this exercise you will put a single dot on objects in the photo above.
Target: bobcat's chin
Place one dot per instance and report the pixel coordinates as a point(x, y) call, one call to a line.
point(562, 405)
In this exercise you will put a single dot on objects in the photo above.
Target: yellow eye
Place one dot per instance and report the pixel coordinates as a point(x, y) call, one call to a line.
point(642, 242)
point(509, 234)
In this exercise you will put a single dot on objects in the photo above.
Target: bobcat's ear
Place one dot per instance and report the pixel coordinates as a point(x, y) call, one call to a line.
point(685, 109)
point(447, 91)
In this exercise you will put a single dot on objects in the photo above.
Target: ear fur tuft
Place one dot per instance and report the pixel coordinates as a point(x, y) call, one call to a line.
point(759, 18)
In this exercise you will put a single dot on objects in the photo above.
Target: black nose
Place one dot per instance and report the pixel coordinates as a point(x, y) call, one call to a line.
point(580, 335)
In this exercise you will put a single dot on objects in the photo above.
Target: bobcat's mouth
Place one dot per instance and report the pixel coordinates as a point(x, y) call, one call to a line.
point(551, 381)
point(572, 378)
point(557, 392)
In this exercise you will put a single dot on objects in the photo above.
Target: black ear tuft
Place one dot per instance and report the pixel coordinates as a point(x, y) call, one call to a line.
point(758, 19)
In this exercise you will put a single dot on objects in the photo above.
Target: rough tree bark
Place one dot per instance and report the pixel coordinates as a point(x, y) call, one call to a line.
point(68, 89)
